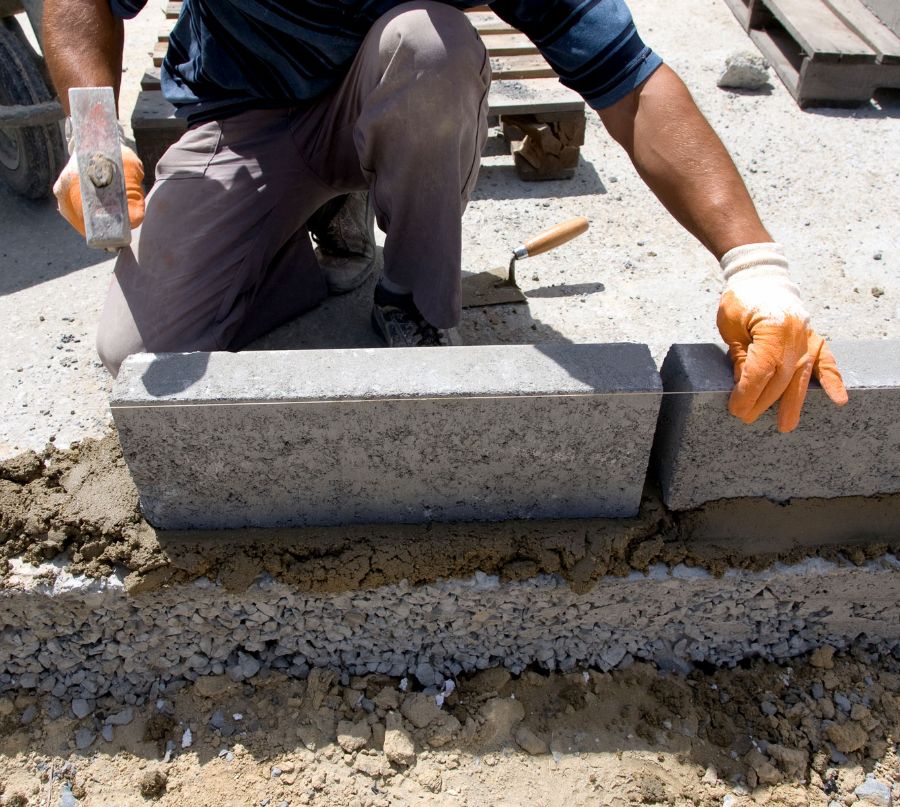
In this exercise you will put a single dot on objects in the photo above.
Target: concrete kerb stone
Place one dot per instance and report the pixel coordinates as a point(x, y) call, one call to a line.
point(702, 453)
point(318, 437)
point(80, 638)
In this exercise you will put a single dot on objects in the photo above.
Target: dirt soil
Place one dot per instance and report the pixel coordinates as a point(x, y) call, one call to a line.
point(81, 502)
point(805, 734)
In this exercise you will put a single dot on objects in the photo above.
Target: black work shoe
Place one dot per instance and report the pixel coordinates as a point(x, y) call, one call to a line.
point(397, 320)
point(344, 232)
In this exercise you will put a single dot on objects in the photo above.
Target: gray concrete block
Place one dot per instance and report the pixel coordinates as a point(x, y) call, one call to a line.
point(316, 437)
point(702, 453)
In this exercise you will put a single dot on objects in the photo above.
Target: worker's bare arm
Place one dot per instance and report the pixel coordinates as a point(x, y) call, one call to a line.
point(684, 163)
point(83, 45)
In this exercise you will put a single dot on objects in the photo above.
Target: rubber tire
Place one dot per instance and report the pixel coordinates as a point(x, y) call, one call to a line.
point(30, 158)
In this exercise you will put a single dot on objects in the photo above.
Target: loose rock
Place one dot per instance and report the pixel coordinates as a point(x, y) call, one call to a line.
point(528, 741)
point(848, 737)
point(822, 657)
point(874, 792)
point(353, 736)
point(420, 709)
point(153, 784)
point(84, 739)
point(398, 745)
point(499, 716)
point(81, 708)
point(745, 71)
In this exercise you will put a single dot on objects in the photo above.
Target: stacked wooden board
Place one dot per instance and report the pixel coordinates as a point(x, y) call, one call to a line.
point(543, 121)
point(827, 52)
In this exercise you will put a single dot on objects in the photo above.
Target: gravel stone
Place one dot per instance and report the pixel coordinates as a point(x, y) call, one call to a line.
point(122, 718)
point(420, 709)
point(426, 675)
point(875, 792)
point(530, 742)
point(842, 702)
point(399, 747)
point(84, 739)
point(352, 737)
point(81, 708)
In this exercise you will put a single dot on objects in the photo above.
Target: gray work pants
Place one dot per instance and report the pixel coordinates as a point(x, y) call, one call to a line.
point(224, 256)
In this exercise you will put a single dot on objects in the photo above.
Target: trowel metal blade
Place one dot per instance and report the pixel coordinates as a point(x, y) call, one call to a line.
point(489, 288)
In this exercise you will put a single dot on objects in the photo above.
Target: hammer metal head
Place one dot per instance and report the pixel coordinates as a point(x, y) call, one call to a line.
point(95, 127)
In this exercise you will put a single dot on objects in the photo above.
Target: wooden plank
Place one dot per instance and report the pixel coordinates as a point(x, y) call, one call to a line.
point(888, 11)
point(520, 67)
point(785, 63)
point(540, 96)
point(869, 28)
point(534, 96)
point(159, 53)
point(172, 11)
point(509, 45)
point(741, 11)
point(819, 32)
point(816, 83)
point(489, 23)
point(150, 79)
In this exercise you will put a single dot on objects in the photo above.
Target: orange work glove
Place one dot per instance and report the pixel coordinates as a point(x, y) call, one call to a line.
point(774, 351)
point(67, 188)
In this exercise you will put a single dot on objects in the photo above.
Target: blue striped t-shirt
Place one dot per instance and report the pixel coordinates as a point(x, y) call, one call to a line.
point(226, 56)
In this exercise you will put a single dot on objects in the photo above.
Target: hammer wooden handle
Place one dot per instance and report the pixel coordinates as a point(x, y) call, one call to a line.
point(555, 236)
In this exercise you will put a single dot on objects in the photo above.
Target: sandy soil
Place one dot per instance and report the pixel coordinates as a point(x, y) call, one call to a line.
point(81, 503)
point(827, 182)
point(764, 735)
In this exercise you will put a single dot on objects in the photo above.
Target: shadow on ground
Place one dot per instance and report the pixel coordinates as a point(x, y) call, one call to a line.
point(26, 261)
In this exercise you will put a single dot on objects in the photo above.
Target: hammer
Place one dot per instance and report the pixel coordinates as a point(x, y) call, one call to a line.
point(95, 128)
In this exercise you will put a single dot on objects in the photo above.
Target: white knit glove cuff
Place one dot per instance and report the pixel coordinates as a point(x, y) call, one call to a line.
point(758, 276)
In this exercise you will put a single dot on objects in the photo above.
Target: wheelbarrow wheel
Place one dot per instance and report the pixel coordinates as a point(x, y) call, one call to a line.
point(30, 157)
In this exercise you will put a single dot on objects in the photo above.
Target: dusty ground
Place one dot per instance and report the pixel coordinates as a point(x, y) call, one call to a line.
point(81, 503)
point(807, 734)
point(827, 182)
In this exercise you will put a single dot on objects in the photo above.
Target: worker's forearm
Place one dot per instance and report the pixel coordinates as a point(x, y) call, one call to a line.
point(82, 45)
point(684, 163)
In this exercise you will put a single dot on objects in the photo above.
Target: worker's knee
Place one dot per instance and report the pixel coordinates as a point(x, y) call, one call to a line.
point(110, 354)
point(116, 341)
point(442, 43)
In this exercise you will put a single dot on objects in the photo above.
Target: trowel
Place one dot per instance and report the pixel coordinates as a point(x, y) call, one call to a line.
point(498, 286)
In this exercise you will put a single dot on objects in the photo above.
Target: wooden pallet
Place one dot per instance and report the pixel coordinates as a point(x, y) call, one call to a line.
point(543, 121)
point(827, 52)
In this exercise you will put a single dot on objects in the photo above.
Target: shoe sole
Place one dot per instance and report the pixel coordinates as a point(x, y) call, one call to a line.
point(453, 337)
point(354, 273)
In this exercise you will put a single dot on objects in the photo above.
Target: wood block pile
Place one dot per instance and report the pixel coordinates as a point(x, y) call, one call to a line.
point(827, 52)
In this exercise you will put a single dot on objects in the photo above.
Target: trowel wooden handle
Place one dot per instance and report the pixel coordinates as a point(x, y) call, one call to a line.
point(554, 237)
